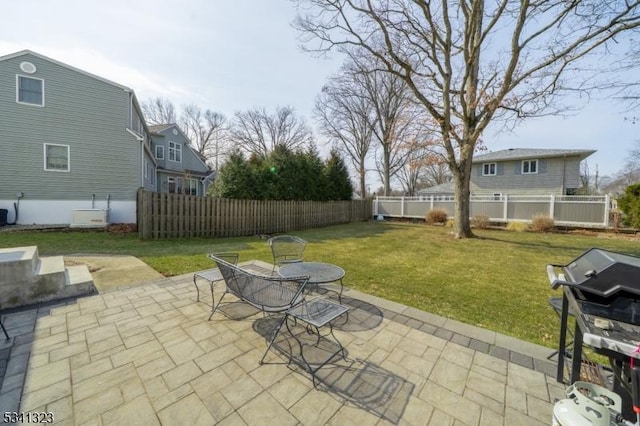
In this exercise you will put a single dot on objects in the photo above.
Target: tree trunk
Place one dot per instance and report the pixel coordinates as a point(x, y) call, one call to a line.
point(462, 225)
point(363, 189)
point(386, 172)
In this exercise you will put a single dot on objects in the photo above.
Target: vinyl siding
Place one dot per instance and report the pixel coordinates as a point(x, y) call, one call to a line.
point(190, 160)
point(510, 180)
point(88, 115)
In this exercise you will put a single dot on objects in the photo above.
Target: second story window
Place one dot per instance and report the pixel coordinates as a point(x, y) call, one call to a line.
point(159, 152)
point(489, 169)
point(529, 167)
point(175, 152)
point(29, 90)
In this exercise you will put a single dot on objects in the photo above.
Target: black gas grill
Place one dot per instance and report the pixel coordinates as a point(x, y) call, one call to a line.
point(605, 284)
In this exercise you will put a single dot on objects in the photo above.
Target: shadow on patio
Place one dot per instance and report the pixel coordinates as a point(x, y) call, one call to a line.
point(148, 353)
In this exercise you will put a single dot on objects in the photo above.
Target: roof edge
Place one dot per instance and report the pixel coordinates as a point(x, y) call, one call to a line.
point(62, 64)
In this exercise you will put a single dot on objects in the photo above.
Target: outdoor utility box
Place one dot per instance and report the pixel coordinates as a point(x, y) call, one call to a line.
point(90, 218)
point(3, 217)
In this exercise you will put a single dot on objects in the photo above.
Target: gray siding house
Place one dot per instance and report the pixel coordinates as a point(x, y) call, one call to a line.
point(522, 171)
point(69, 141)
point(180, 169)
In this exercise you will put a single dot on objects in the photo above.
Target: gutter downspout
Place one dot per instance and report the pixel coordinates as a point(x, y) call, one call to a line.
point(141, 140)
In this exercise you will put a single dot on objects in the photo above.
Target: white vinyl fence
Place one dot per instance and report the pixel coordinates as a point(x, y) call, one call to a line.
point(577, 210)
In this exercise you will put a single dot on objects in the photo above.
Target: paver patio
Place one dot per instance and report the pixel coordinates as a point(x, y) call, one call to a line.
point(147, 355)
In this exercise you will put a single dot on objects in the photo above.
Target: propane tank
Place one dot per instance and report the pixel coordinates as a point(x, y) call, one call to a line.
point(587, 405)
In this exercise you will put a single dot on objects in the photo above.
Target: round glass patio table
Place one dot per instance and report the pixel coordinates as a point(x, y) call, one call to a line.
point(319, 273)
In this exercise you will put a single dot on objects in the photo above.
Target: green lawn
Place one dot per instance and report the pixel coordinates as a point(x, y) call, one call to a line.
point(497, 281)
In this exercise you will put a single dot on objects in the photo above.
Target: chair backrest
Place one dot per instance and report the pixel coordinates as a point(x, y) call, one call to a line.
point(287, 249)
point(269, 294)
point(228, 257)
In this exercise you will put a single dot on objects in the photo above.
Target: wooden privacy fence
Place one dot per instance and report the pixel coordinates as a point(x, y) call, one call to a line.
point(576, 210)
point(162, 215)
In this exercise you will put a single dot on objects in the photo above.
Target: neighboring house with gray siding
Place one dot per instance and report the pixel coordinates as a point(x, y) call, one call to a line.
point(180, 169)
point(523, 171)
point(69, 140)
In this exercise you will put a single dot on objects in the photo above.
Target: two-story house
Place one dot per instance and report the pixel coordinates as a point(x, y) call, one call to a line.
point(522, 171)
point(70, 141)
point(180, 168)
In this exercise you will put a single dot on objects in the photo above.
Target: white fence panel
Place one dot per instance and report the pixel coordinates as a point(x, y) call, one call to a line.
point(565, 210)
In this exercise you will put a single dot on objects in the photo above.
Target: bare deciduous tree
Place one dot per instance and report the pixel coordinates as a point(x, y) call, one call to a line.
point(206, 129)
point(258, 132)
point(158, 111)
point(471, 62)
point(424, 166)
point(345, 116)
point(393, 115)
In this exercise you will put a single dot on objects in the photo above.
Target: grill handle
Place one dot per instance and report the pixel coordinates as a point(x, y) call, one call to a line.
point(555, 280)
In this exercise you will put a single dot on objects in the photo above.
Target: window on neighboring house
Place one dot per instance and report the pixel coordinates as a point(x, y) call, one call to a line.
point(30, 90)
point(179, 186)
point(172, 185)
point(56, 157)
point(529, 167)
point(191, 186)
point(175, 152)
point(489, 169)
point(159, 152)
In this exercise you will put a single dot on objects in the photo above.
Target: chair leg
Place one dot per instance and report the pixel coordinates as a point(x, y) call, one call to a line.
point(4, 330)
point(214, 308)
point(197, 289)
point(273, 337)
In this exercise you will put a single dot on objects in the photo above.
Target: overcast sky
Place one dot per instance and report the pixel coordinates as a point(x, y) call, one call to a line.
point(237, 54)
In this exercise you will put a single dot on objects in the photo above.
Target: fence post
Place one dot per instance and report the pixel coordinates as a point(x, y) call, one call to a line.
point(431, 199)
point(552, 206)
point(607, 207)
point(375, 207)
point(401, 206)
point(505, 208)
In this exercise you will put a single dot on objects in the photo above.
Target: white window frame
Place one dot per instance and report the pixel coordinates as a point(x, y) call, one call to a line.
point(529, 163)
point(169, 182)
point(193, 185)
point(488, 165)
point(18, 76)
point(175, 149)
point(161, 148)
point(68, 158)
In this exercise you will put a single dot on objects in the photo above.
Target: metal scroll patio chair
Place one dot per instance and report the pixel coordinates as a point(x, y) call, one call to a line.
point(268, 294)
point(213, 276)
point(285, 296)
point(286, 249)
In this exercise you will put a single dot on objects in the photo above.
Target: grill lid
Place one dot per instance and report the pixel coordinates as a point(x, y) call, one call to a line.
point(604, 273)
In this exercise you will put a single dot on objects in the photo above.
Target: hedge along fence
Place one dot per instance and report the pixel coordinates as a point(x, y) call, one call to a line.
point(162, 215)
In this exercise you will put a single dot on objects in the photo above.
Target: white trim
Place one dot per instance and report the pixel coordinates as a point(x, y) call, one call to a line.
point(18, 90)
point(158, 157)
point(62, 64)
point(59, 212)
point(135, 134)
point(44, 152)
point(28, 67)
point(495, 169)
point(192, 181)
point(177, 148)
point(186, 138)
point(530, 162)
